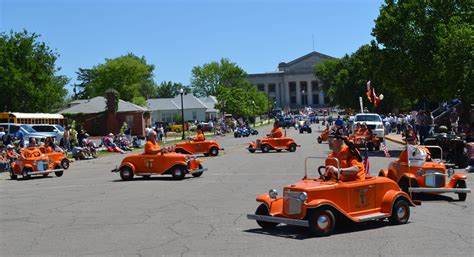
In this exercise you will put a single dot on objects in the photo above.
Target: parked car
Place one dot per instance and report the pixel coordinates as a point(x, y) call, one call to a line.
point(322, 203)
point(55, 131)
point(13, 129)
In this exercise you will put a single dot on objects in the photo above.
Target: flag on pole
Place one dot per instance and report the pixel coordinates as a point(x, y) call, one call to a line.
point(366, 161)
point(369, 91)
point(385, 149)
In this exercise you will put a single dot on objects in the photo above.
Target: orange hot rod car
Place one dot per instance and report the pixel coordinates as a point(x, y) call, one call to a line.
point(431, 177)
point(321, 203)
point(361, 140)
point(324, 136)
point(207, 147)
point(268, 143)
point(58, 158)
point(175, 164)
point(33, 162)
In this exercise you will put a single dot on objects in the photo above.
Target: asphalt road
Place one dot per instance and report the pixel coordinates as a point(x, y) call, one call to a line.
point(90, 212)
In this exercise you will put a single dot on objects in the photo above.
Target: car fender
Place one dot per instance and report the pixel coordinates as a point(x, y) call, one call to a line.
point(408, 176)
point(129, 164)
point(28, 166)
point(177, 148)
point(455, 179)
point(389, 200)
point(323, 202)
point(253, 145)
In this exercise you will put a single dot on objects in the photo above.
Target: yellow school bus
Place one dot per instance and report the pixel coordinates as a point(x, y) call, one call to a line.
point(31, 118)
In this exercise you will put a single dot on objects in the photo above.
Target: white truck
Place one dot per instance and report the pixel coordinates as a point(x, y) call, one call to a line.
point(373, 121)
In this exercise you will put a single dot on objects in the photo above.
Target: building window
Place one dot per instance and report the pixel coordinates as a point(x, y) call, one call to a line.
point(292, 86)
point(194, 116)
point(315, 98)
point(129, 120)
point(315, 85)
point(271, 88)
point(293, 100)
point(261, 87)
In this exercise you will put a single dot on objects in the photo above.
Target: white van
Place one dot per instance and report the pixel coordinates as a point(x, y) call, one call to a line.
point(373, 121)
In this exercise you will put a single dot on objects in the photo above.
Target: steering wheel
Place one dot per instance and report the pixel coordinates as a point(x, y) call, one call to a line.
point(323, 175)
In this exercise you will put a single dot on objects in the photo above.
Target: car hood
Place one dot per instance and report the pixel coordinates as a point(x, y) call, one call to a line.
point(311, 185)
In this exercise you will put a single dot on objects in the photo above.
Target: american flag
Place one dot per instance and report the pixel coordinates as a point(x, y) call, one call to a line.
point(385, 149)
point(366, 161)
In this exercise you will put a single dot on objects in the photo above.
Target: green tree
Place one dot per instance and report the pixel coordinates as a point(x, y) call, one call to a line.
point(130, 75)
point(427, 48)
point(28, 79)
point(244, 101)
point(168, 89)
point(207, 78)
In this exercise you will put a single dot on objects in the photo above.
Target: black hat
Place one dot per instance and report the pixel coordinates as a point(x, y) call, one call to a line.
point(336, 133)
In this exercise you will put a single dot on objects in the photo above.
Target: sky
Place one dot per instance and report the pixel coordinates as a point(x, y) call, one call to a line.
point(177, 35)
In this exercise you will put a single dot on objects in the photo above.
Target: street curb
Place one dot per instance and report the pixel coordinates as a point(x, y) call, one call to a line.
point(394, 140)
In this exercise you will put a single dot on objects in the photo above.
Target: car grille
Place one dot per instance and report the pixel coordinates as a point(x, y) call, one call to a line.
point(291, 205)
point(372, 127)
point(42, 165)
point(434, 178)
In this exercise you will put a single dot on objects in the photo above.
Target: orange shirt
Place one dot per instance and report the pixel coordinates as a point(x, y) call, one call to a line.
point(151, 146)
point(277, 132)
point(404, 155)
point(200, 137)
point(346, 160)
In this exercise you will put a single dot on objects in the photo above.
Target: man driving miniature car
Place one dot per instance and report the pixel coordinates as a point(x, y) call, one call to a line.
point(151, 146)
point(200, 135)
point(351, 168)
point(411, 139)
point(277, 131)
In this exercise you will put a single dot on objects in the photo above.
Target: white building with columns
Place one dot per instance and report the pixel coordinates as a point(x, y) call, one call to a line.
point(294, 85)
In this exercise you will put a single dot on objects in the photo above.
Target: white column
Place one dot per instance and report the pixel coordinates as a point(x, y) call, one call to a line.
point(310, 94)
point(298, 93)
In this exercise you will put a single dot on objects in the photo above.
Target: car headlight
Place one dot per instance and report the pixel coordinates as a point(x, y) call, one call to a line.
point(273, 193)
point(419, 172)
point(450, 172)
point(303, 196)
point(379, 126)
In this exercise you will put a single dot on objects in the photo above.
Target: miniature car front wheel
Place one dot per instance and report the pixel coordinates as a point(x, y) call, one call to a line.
point(65, 163)
point(251, 149)
point(57, 173)
point(197, 174)
point(263, 210)
point(265, 148)
point(321, 222)
point(301, 131)
point(214, 151)
point(126, 173)
point(320, 140)
point(25, 173)
point(178, 173)
point(461, 184)
point(310, 130)
point(400, 212)
point(292, 147)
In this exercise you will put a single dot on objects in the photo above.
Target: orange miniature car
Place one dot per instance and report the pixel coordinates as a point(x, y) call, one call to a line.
point(431, 177)
point(145, 165)
point(320, 203)
point(373, 142)
point(324, 136)
point(59, 158)
point(207, 147)
point(34, 162)
point(269, 143)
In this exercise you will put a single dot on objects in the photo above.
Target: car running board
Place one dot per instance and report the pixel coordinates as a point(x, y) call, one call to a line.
point(43, 172)
point(296, 222)
point(372, 216)
point(438, 190)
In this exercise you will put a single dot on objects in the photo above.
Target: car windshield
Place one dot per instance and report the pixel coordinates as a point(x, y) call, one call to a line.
point(44, 128)
point(60, 128)
point(28, 129)
point(367, 117)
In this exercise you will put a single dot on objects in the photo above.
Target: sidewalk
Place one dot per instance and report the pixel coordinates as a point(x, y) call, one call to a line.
point(396, 138)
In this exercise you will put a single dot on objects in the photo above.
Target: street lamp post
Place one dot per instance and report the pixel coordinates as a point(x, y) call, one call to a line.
point(302, 94)
point(253, 112)
point(181, 91)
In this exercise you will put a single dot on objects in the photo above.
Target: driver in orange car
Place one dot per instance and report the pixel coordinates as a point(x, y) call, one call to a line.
point(277, 131)
point(351, 166)
point(411, 139)
point(200, 135)
point(151, 146)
